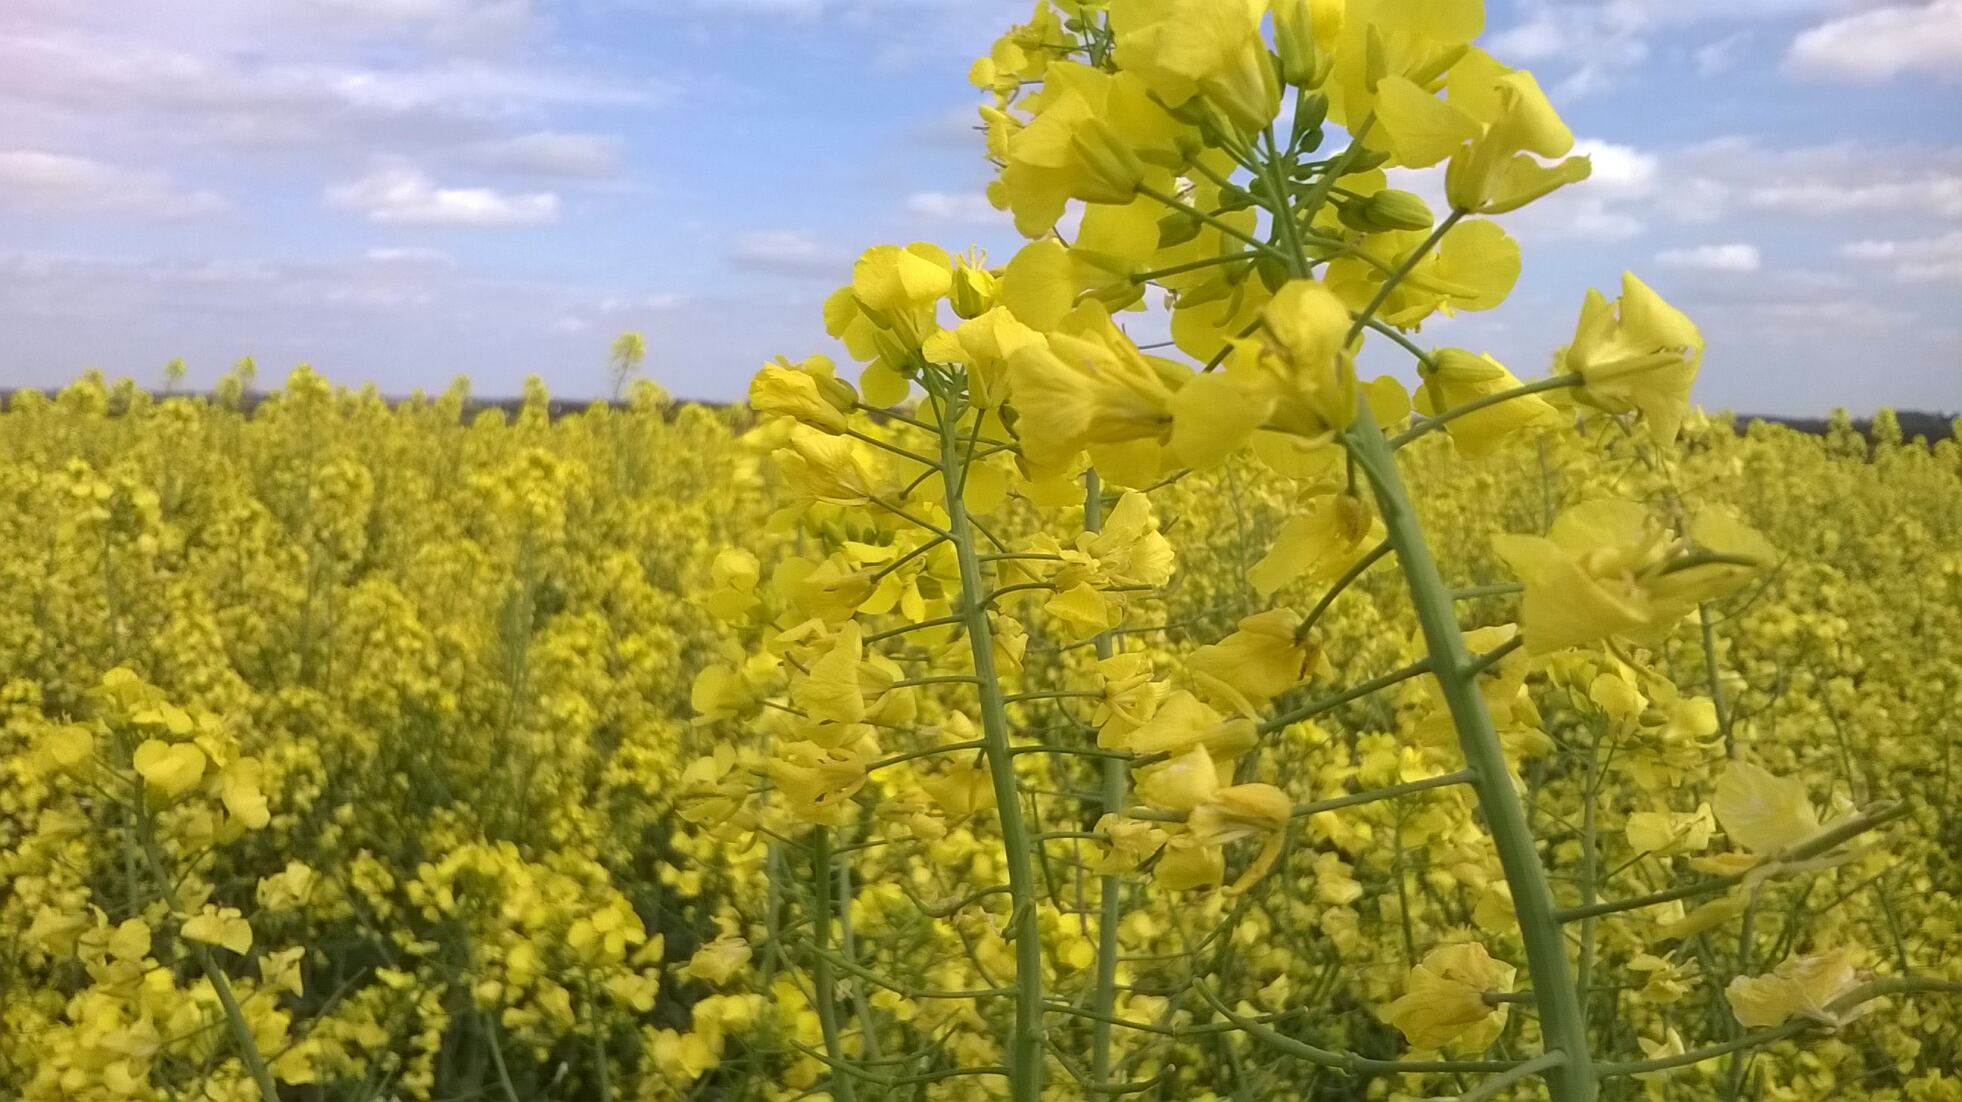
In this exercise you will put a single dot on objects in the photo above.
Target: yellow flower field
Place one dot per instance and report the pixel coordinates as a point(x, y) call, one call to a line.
point(1042, 716)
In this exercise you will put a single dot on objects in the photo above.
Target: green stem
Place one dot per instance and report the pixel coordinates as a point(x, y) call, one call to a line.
point(1024, 1048)
point(826, 994)
point(1715, 676)
point(1110, 902)
point(1491, 1088)
point(255, 1061)
point(1562, 1022)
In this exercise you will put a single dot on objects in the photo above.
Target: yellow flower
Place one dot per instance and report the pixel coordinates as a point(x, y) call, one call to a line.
point(1763, 812)
point(1444, 1002)
point(1211, 48)
point(1640, 357)
point(280, 971)
point(131, 941)
point(1182, 783)
point(1240, 812)
point(1089, 387)
point(831, 692)
point(806, 392)
point(1662, 981)
point(1181, 723)
point(169, 770)
point(830, 469)
point(719, 961)
point(239, 789)
point(286, 889)
point(1260, 661)
point(1663, 833)
point(732, 581)
point(984, 344)
point(1454, 377)
point(1473, 268)
point(817, 782)
point(1318, 543)
point(1187, 863)
point(1095, 136)
point(220, 926)
point(1605, 569)
point(1800, 987)
point(1127, 842)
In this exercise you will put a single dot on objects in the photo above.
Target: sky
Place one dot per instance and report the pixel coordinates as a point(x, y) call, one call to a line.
point(399, 191)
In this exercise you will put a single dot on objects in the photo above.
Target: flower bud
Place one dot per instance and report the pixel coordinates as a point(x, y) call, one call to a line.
point(1305, 58)
point(973, 293)
point(1386, 210)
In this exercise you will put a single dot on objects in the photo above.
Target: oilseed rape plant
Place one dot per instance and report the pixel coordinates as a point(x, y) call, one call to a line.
point(1031, 713)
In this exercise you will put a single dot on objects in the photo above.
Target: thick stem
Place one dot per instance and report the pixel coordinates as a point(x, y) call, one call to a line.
point(1024, 1050)
point(1110, 904)
point(826, 994)
point(1562, 1023)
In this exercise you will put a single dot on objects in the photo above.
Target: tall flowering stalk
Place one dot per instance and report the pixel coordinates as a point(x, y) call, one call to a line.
point(1155, 129)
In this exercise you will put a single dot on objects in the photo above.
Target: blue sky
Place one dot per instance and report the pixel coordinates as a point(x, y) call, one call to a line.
point(401, 190)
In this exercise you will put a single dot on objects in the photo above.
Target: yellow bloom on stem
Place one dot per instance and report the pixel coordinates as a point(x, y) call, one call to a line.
point(1454, 377)
point(1416, 39)
point(1187, 863)
point(239, 789)
point(831, 692)
point(169, 770)
point(984, 345)
point(1240, 812)
point(1182, 783)
point(1763, 812)
point(817, 782)
point(1444, 1002)
point(1127, 842)
point(732, 584)
point(834, 470)
point(1606, 569)
point(1095, 137)
point(220, 926)
point(1183, 723)
point(1090, 388)
point(808, 393)
point(1640, 356)
point(1259, 661)
point(719, 961)
point(1800, 987)
point(1665, 833)
point(1318, 543)
point(1209, 48)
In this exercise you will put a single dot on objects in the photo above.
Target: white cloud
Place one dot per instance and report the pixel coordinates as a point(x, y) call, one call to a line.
point(411, 255)
point(1712, 179)
point(942, 206)
point(406, 196)
point(549, 153)
point(246, 97)
point(1720, 56)
point(37, 181)
point(451, 22)
point(1735, 257)
point(791, 252)
point(1883, 43)
point(1922, 260)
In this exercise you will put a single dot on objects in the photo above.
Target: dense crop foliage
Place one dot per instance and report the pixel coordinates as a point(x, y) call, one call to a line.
point(1041, 716)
